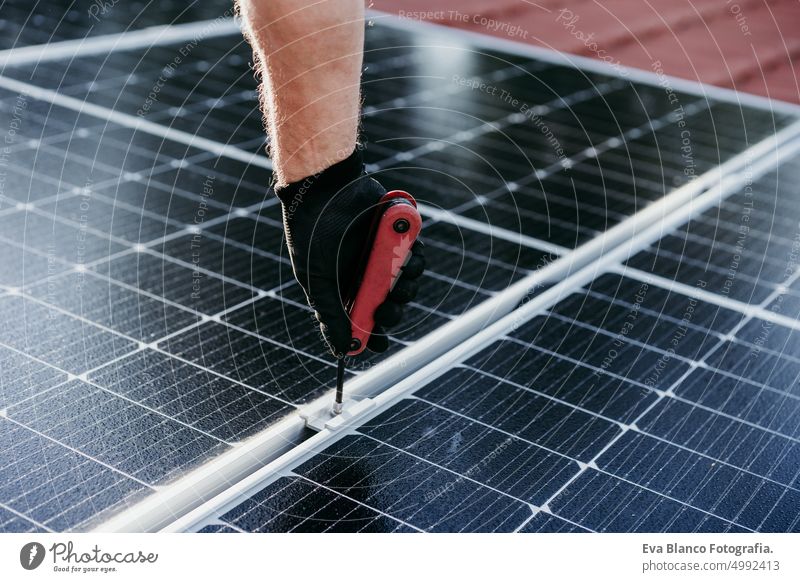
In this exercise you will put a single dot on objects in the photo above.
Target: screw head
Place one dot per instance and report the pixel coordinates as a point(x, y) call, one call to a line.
point(355, 344)
point(401, 225)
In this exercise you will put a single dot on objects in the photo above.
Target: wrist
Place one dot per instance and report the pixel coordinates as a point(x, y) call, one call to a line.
point(329, 181)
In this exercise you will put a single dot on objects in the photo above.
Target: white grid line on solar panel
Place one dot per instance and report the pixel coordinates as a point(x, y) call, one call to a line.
point(715, 222)
point(709, 297)
point(214, 102)
point(673, 356)
point(582, 466)
point(194, 389)
point(203, 103)
point(118, 207)
point(38, 118)
point(23, 518)
point(124, 447)
point(659, 397)
point(563, 131)
point(55, 138)
point(757, 285)
point(722, 227)
point(20, 374)
point(706, 266)
point(589, 153)
point(451, 471)
point(137, 123)
point(740, 253)
point(159, 298)
point(79, 267)
point(113, 75)
point(515, 48)
point(51, 481)
point(85, 376)
point(76, 451)
point(229, 325)
point(291, 482)
point(86, 380)
point(190, 230)
point(622, 425)
point(398, 453)
point(238, 362)
point(74, 136)
point(141, 324)
point(127, 178)
point(486, 126)
point(132, 247)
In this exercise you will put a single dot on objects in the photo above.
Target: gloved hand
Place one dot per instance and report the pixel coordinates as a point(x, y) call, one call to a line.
point(326, 232)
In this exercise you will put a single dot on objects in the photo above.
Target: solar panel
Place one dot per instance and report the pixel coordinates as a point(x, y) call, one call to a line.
point(629, 405)
point(160, 325)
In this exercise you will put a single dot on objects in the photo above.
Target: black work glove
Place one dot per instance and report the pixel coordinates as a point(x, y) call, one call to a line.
point(327, 222)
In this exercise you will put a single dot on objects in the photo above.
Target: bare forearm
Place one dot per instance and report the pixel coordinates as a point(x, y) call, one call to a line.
point(309, 55)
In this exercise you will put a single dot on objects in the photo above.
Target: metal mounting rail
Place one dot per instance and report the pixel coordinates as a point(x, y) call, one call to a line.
point(261, 454)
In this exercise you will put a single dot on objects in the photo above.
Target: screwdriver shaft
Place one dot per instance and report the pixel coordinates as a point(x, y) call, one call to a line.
point(337, 405)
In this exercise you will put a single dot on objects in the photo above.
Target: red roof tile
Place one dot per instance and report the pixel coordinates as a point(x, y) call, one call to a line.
point(751, 45)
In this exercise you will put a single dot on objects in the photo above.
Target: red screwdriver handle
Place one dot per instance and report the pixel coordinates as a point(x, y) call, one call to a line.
point(397, 228)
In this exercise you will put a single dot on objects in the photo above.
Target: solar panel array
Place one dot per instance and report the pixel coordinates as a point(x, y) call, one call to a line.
point(156, 321)
point(630, 405)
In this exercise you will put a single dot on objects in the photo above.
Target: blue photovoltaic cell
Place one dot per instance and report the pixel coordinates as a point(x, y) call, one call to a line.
point(55, 486)
point(22, 377)
point(295, 505)
point(412, 490)
point(192, 395)
point(136, 441)
point(744, 249)
point(63, 341)
point(12, 523)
